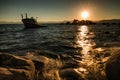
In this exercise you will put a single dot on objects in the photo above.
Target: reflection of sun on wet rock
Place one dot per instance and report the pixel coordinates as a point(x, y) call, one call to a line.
point(113, 67)
point(69, 74)
point(16, 68)
point(82, 71)
point(100, 53)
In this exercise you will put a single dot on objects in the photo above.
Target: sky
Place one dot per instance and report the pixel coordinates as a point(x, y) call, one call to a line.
point(58, 10)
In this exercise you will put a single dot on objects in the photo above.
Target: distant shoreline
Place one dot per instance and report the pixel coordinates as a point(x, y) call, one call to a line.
point(100, 21)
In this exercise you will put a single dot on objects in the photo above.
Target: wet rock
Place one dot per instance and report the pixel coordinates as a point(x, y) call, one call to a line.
point(113, 67)
point(69, 74)
point(38, 65)
point(40, 62)
point(46, 68)
point(16, 68)
point(106, 54)
point(77, 57)
point(70, 64)
point(65, 57)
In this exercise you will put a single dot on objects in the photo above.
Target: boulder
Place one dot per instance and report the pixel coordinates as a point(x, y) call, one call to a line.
point(40, 63)
point(113, 67)
point(70, 64)
point(16, 68)
point(69, 74)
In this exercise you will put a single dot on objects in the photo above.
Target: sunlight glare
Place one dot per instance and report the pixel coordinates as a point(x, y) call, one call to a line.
point(84, 14)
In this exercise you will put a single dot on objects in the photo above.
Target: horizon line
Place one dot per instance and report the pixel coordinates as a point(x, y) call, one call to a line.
point(19, 22)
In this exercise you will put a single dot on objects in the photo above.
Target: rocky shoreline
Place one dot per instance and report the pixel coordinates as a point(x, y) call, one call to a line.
point(51, 66)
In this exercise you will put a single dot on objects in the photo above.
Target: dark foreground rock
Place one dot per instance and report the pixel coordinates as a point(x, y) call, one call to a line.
point(69, 74)
point(113, 67)
point(16, 68)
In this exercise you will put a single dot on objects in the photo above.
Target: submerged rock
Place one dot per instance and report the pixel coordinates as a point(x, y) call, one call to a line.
point(113, 67)
point(16, 68)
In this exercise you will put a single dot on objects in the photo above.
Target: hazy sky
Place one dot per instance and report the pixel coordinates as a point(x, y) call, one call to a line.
point(59, 10)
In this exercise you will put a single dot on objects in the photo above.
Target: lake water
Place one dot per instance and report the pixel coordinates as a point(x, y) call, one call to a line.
point(58, 38)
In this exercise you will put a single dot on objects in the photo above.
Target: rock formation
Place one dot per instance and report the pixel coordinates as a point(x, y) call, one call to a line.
point(16, 68)
point(113, 67)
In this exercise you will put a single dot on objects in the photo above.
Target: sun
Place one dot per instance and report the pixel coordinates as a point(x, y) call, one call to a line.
point(85, 15)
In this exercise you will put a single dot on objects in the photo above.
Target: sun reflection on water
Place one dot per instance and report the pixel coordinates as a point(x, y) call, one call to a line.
point(86, 42)
point(93, 59)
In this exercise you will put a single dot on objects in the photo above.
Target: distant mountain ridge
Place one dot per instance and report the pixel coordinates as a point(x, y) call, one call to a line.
point(110, 21)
